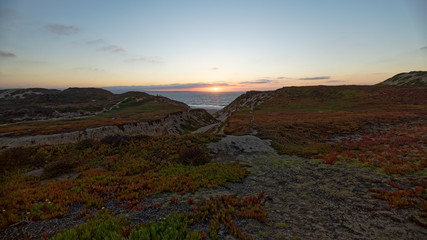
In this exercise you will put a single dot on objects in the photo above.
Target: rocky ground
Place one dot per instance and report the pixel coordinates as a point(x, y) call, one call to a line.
point(311, 200)
point(306, 199)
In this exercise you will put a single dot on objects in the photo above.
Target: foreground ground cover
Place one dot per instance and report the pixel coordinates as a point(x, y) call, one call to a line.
point(128, 170)
point(175, 226)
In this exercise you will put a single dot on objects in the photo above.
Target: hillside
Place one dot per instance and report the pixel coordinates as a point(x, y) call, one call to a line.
point(80, 111)
point(414, 78)
point(297, 116)
point(31, 104)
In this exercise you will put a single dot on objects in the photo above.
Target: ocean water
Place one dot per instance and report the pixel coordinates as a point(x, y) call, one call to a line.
point(205, 100)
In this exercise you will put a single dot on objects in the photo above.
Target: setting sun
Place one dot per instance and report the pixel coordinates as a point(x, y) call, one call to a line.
point(216, 89)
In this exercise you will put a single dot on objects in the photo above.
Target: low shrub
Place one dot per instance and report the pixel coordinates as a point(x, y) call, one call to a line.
point(57, 168)
point(195, 155)
point(116, 140)
point(105, 226)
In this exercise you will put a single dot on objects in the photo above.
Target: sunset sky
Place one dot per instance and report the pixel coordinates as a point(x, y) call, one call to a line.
point(199, 45)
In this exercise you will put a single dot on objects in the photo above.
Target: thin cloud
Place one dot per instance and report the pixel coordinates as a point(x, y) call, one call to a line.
point(95, 42)
point(259, 81)
point(62, 29)
point(423, 48)
point(316, 78)
point(214, 68)
point(186, 85)
point(153, 59)
point(334, 81)
point(4, 54)
point(168, 86)
point(89, 69)
point(281, 78)
point(112, 48)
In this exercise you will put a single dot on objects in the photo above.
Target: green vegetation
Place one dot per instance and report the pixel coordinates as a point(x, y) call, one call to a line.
point(175, 226)
point(128, 173)
point(105, 226)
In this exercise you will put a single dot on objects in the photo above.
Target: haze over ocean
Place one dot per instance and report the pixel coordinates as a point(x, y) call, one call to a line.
point(194, 99)
point(205, 100)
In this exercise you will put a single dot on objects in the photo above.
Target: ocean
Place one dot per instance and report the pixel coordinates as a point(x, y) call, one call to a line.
point(205, 100)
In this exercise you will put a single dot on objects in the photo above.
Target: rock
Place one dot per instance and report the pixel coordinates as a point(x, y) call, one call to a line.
point(35, 173)
point(237, 145)
point(66, 176)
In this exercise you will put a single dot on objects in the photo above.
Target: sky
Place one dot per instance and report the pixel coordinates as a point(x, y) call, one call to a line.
point(208, 45)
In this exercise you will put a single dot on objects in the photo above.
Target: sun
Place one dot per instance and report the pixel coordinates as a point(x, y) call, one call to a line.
point(212, 89)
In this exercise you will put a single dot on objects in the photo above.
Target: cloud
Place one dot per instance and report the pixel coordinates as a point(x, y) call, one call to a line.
point(334, 81)
point(153, 59)
point(423, 48)
point(89, 69)
point(281, 78)
point(62, 29)
point(214, 68)
point(167, 86)
point(4, 54)
point(94, 42)
point(259, 81)
point(315, 78)
point(186, 85)
point(112, 48)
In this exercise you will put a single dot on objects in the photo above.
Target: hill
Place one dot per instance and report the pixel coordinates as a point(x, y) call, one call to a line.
point(383, 127)
point(44, 112)
point(414, 78)
point(297, 118)
point(31, 104)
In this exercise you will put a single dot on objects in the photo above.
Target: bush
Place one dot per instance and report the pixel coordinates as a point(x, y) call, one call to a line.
point(14, 158)
point(194, 155)
point(62, 166)
point(101, 227)
point(87, 143)
point(173, 226)
point(116, 140)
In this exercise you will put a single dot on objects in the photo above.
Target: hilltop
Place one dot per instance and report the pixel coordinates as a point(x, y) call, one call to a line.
point(414, 78)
